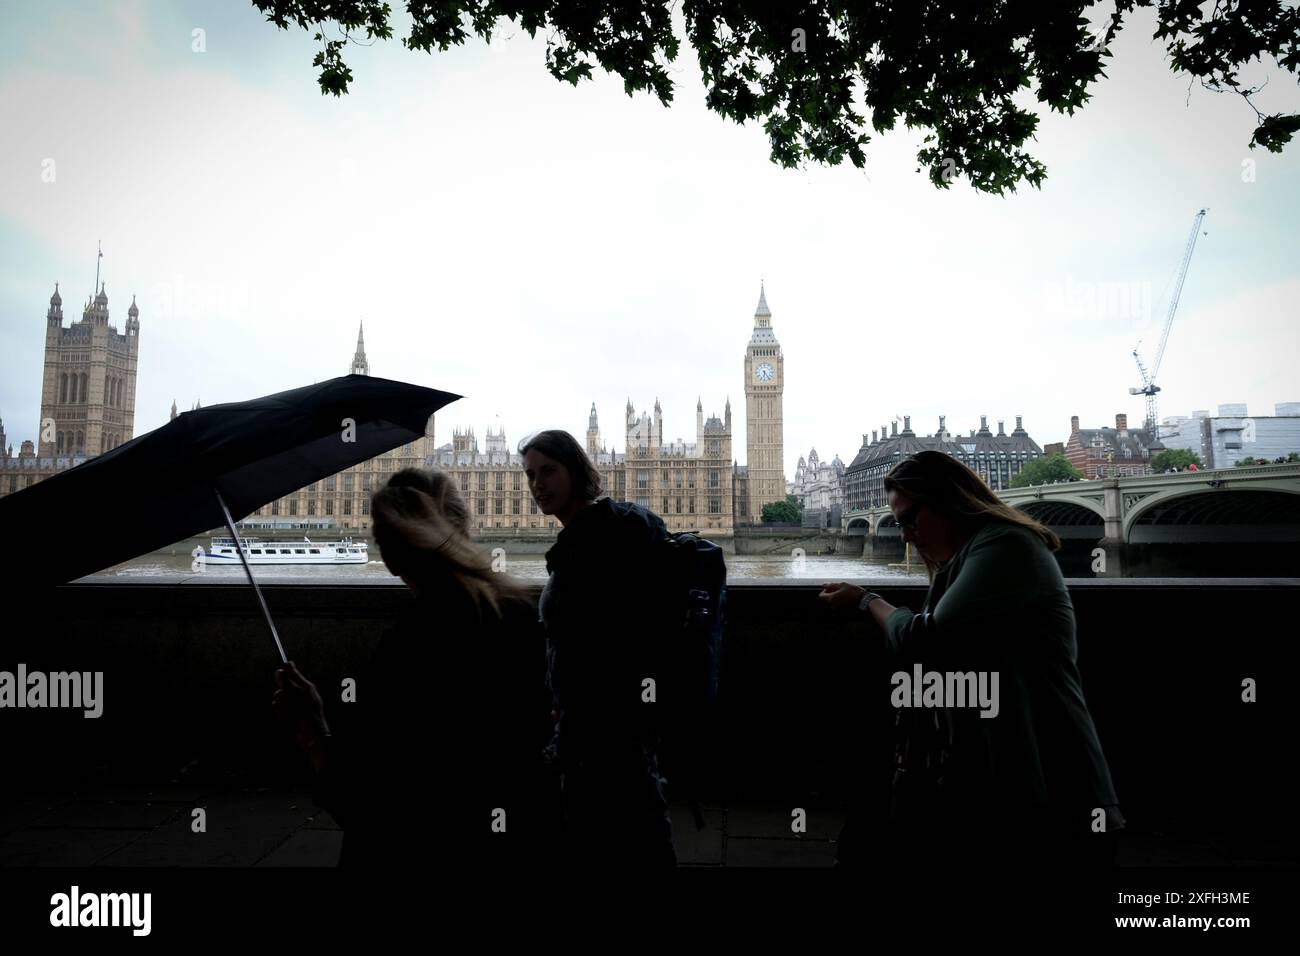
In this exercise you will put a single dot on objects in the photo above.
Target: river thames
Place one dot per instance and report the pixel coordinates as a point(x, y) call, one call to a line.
point(177, 562)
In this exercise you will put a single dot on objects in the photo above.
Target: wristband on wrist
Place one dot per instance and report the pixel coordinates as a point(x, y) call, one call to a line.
point(864, 604)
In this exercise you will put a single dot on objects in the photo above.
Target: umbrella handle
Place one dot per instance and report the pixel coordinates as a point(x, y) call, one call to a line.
point(234, 536)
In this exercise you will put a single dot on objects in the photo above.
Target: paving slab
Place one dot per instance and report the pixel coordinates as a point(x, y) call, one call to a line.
point(1155, 849)
point(703, 847)
point(800, 853)
point(775, 822)
point(18, 812)
point(307, 848)
point(108, 814)
point(177, 845)
point(321, 821)
point(56, 846)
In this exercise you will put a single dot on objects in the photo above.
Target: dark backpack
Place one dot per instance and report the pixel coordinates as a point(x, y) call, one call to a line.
point(693, 578)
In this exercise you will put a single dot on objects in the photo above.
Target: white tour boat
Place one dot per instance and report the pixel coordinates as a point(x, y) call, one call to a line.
point(306, 551)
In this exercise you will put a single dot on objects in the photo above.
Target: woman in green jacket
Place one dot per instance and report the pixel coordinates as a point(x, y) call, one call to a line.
point(997, 755)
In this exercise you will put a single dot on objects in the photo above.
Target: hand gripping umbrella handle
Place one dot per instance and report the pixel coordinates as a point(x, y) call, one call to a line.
point(234, 536)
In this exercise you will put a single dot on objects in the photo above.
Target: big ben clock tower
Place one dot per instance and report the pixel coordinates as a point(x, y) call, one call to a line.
point(764, 383)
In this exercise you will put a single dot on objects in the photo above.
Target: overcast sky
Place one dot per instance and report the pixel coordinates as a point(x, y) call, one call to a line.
point(537, 247)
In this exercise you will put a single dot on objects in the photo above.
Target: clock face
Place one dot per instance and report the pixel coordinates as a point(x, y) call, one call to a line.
point(764, 372)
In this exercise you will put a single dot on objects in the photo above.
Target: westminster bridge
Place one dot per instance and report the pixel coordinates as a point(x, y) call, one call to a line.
point(1221, 521)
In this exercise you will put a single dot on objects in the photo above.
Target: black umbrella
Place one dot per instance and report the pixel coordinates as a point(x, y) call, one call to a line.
point(192, 474)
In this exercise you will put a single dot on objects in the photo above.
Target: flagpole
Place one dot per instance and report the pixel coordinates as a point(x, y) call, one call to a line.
point(234, 536)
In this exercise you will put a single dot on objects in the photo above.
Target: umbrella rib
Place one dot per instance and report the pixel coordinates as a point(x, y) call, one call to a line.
point(243, 559)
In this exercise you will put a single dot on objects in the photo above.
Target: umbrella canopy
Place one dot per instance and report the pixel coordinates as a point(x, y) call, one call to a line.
point(158, 489)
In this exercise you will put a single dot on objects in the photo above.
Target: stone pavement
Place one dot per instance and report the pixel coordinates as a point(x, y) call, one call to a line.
point(114, 825)
point(265, 826)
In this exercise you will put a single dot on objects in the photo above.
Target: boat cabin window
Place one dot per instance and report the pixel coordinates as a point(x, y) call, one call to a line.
point(284, 550)
point(257, 551)
point(299, 551)
point(314, 551)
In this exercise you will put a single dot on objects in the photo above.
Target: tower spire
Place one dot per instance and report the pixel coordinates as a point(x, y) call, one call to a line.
point(359, 364)
point(97, 258)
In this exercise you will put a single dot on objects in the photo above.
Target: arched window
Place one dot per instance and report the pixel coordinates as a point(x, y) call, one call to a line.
point(63, 387)
point(85, 388)
point(59, 443)
point(108, 391)
point(81, 442)
point(72, 392)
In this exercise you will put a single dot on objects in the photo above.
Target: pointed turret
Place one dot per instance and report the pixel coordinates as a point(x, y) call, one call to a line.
point(133, 318)
point(55, 313)
point(359, 364)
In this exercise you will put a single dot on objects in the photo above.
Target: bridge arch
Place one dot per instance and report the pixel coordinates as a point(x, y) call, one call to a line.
point(1068, 518)
point(1262, 512)
point(886, 526)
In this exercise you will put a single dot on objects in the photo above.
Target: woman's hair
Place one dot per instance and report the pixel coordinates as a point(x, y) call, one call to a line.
point(940, 481)
point(564, 448)
point(421, 526)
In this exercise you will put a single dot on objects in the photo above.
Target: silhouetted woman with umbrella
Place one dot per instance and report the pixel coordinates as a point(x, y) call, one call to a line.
point(444, 762)
point(1025, 787)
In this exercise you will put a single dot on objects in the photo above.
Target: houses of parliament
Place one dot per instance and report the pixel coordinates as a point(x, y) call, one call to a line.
point(692, 485)
point(88, 403)
point(87, 393)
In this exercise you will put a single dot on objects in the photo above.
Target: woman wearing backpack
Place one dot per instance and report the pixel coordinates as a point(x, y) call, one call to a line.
point(1024, 784)
point(599, 608)
point(441, 756)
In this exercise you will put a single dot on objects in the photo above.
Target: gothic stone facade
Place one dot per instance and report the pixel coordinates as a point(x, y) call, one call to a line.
point(87, 393)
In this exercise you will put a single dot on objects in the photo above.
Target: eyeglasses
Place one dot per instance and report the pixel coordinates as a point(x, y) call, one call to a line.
point(907, 520)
